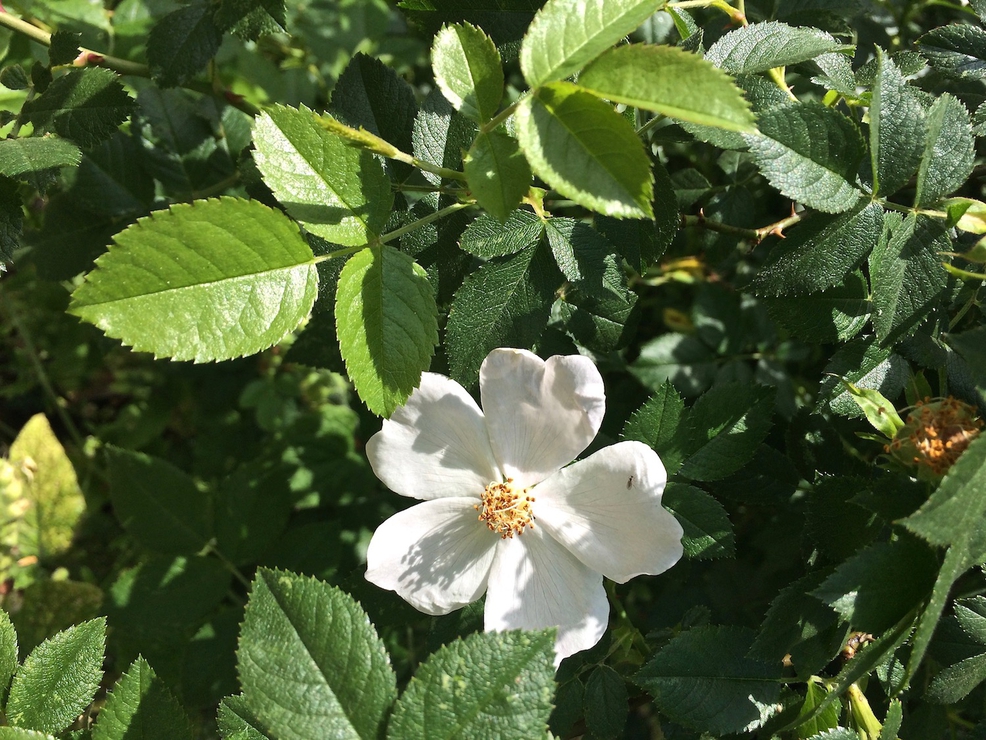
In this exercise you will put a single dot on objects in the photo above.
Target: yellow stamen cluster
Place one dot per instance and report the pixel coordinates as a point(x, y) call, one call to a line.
point(935, 434)
point(505, 509)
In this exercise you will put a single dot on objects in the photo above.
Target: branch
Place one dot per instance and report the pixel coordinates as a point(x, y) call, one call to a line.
point(88, 57)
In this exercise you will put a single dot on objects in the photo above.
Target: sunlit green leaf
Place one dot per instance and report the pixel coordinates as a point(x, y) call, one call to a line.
point(58, 679)
point(502, 688)
point(497, 173)
point(310, 663)
point(585, 150)
point(468, 70)
point(564, 37)
point(387, 325)
point(669, 81)
point(209, 280)
point(338, 192)
point(762, 46)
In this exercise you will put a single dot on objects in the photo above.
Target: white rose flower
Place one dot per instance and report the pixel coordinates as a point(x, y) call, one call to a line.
point(502, 515)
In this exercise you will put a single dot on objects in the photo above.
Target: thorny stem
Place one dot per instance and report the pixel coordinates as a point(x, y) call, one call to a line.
point(88, 57)
point(754, 235)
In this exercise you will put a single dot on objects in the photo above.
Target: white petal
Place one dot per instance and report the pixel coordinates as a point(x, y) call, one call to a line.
point(540, 415)
point(607, 510)
point(535, 583)
point(435, 445)
point(435, 555)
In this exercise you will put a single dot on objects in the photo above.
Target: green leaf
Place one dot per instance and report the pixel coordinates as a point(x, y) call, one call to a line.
point(182, 43)
point(579, 250)
point(897, 129)
point(971, 345)
point(157, 607)
point(488, 685)
point(907, 276)
point(158, 504)
point(251, 19)
point(338, 192)
point(559, 42)
point(605, 703)
point(49, 606)
point(762, 95)
point(954, 517)
point(956, 681)
point(948, 151)
point(486, 237)
point(820, 251)
point(827, 720)
point(799, 625)
point(865, 364)
point(59, 679)
point(864, 662)
point(236, 721)
point(310, 662)
point(879, 412)
point(252, 509)
point(51, 501)
point(669, 81)
point(209, 280)
point(468, 70)
point(387, 323)
point(11, 220)
point(958, 50)
point(762, 46)
point(585, 150)
point(724, 429)
point(708, 533)
point(8, 654)
point(108, 183)
point(681, 358)
point(64, 48)
point(140, 705)
point(810, 153)
point(23, 156)
point(505, 303)
point(16, 733)
point(837, 733)
point(834, 315)
point(878, 586)
point(599, 312)
point(497, 173)
point(656, 424)
point(86, 106)
point(893, 720)
point(441, 135)
point(372, 95)
point(704, 679)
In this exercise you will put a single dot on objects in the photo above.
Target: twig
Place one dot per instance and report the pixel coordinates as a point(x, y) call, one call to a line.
point(88, 57)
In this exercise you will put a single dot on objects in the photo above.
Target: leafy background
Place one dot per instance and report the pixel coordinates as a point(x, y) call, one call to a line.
point(760, 219)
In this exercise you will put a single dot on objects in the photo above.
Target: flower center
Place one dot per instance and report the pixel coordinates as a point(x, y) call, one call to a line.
point(505, 509)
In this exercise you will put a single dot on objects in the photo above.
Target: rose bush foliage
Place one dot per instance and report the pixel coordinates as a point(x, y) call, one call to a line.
point(240, 239)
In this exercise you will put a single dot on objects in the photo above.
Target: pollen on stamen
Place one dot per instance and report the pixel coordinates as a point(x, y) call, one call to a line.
point(936, 434)
point(506, 510)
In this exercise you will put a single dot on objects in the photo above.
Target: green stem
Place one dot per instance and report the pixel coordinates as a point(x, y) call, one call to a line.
point(227, 564)
point(494, 123)
point(414, 225)
point(40, 373)
point(650, 124)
